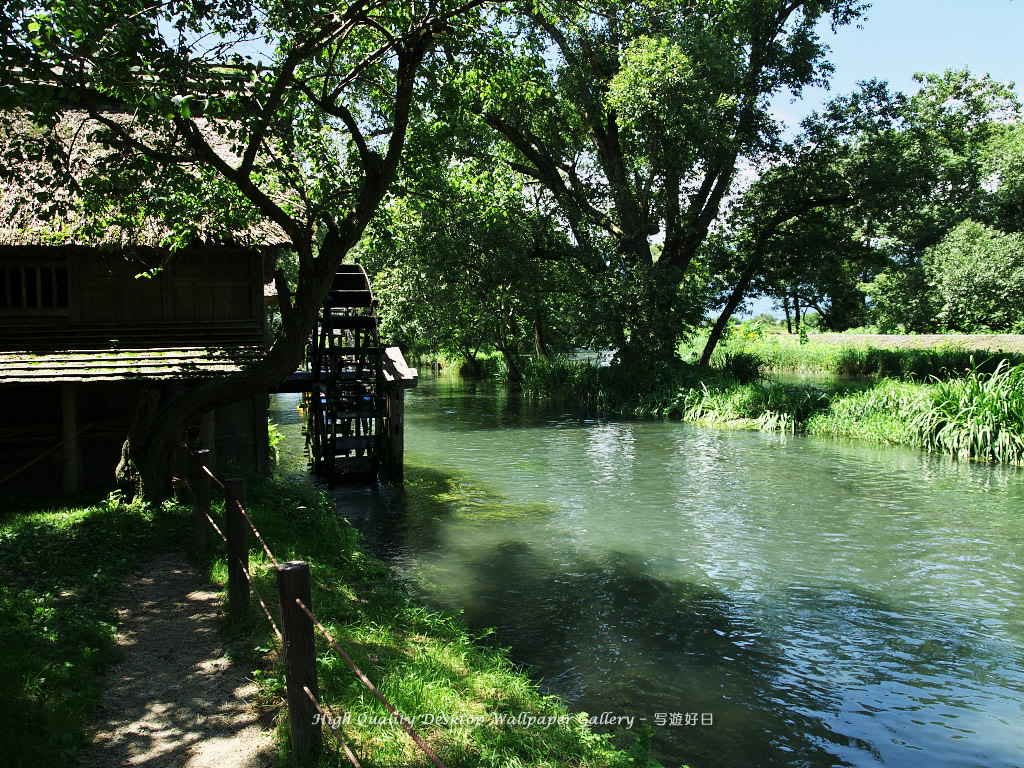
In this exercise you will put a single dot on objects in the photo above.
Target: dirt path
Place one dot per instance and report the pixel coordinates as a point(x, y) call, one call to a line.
point(174, 699)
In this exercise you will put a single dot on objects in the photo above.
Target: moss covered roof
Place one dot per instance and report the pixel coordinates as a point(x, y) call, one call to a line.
point(42, 174)
point(122, 364)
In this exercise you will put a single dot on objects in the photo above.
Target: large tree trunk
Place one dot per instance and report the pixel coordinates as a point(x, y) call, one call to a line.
point(515, 376)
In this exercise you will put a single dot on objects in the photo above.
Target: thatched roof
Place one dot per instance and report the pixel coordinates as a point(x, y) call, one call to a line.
point(41, 203)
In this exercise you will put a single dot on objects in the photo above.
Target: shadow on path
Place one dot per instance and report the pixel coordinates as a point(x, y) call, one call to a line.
point(174, 699)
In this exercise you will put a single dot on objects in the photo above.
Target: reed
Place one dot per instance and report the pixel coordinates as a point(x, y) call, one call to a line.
point(978, 416)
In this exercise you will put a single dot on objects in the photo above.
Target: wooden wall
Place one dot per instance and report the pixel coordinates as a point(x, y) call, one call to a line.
point(199, 293)
point(204, 285)
point(198, 285)
point(31, 428)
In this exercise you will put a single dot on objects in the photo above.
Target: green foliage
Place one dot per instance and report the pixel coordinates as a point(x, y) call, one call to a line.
point(978, 416)
point(977, 276)
point(632, 121)
point(743, 366)
point(770, 406)
point(63, 569)
point(274, 439)
point(871, 184)
point(902, 300)
point(882, 412)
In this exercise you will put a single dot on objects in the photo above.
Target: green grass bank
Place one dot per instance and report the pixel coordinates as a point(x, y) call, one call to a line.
point(62, 572)
point(908, 356)
point(63, 568)
point(977, 414)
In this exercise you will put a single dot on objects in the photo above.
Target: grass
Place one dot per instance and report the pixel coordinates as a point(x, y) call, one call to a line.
point(978, 414)
point(455, 686)
point(785, 354)
point(63, 568)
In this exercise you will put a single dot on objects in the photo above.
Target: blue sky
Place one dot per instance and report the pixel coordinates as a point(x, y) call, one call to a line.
point(901, 37)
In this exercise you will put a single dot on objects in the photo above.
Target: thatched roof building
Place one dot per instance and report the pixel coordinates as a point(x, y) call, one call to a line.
point(111, 281)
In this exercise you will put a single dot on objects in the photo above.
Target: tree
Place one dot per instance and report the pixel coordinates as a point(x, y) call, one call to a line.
point(798, 231)
point(464, 263)
point(959, 130)
point(313, 103)
point(869, 185)
point(977, 274)
point(635, 118)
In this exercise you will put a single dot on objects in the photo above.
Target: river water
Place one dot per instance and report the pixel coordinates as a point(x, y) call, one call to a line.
point(756, 599)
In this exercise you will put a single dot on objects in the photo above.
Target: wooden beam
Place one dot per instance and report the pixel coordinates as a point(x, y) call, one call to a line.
point(69, 429)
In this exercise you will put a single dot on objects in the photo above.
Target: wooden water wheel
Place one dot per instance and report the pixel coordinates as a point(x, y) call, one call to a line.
point(346, 360)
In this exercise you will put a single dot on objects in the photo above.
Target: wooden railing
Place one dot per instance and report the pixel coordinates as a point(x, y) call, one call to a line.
point(296, 631)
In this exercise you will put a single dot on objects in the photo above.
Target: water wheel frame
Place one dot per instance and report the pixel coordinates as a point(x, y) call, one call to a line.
point(347, 405)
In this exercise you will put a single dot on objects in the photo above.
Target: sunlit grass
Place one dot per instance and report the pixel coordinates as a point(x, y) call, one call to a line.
point(784, 353)
point(427, 664)
point(62, 570)
point(978, 416)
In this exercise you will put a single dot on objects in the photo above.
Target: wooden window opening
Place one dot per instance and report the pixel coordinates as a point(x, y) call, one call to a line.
point(34, 288)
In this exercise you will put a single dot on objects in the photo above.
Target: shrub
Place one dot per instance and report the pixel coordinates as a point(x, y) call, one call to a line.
point(978, 276)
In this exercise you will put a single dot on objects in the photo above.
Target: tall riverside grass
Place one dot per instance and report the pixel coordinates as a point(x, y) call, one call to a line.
point(979, 416)
point(882, 412)
point(770, 406)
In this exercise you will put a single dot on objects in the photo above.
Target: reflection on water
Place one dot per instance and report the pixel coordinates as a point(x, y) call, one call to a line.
point(826, 603)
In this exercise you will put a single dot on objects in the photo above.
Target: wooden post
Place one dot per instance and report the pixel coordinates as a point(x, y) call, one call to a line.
point(180, 480)
point(299, 660)
point(238, 548)
point(394, 431)
point(69, 435)
point(200, 501)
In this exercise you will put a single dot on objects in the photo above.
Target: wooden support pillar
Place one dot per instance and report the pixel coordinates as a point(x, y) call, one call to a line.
point(69, 432)
point(394, 432)
point(237, 534)
point(200, 501)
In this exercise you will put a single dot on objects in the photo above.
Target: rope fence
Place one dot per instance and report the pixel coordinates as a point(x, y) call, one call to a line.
point(295, 633)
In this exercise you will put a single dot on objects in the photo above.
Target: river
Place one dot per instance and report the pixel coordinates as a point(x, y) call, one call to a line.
point(756, 599)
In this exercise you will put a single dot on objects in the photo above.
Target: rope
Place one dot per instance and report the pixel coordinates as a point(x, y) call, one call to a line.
point(258, 537)
point(373, 689)
point(337, 736)
point(212, 476)
point(263, 605)
point(218, 530)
